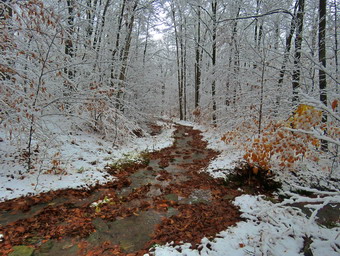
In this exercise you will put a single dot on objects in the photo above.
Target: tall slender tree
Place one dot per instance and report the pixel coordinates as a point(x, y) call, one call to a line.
point(214, 37)
point(178, 60)
point(69, 46)
point(297, 54)
point(129, 22)
point(197, 57)
point(322, 61)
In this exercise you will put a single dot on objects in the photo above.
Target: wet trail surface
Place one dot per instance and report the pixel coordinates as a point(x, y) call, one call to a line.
point(164, 199)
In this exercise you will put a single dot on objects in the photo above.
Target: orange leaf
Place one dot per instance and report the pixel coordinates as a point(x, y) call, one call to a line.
point(334, 104)
point(20, 229)
point(163, 205)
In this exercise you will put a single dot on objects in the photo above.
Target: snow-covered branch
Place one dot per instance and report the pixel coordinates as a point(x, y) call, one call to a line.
point(318, 104)
point(316, 134)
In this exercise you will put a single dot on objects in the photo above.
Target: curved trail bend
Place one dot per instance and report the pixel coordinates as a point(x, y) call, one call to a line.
point(167, 199)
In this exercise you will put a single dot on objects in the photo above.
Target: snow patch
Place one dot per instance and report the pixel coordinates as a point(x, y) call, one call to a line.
point(81, 158)
point(269, 230)
point(229, 157)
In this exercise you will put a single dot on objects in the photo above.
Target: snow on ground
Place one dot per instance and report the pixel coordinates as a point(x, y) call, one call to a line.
point(229, 155)
point(79, 161)
point(311, 174)
point(270, 229)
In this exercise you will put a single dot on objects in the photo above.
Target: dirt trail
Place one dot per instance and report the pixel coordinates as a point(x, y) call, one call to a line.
point(162, 200)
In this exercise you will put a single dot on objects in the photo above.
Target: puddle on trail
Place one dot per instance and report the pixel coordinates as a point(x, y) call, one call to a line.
point(7, 217)
point(131, 233)
point(197, 196)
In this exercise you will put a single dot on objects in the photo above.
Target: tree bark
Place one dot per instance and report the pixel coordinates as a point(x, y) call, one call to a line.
point(146, 38)
point(90, 16)
point(197, 57)
point(113, 76)
point(214, 36)
point(288, 46)
point(126, 51)
point(336, 48)
point(180, 95)
point(69, 47)
point(185, 71)
point(322, 60)
point(297, 55)
point(100, 27)
point(256, 32)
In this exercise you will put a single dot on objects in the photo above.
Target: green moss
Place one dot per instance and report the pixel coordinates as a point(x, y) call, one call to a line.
point(131, 159)
point(22, 250)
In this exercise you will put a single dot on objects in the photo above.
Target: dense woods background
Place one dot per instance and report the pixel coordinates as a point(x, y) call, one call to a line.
point(265, 72)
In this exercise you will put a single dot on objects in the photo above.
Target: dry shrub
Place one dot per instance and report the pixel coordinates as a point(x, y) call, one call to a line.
point(278, 147)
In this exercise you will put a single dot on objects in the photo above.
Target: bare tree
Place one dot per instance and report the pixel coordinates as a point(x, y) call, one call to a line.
point(198, 58)
point(129, 21)
point(322, 60)
point(178, 59)
point(69, 47)
point(297, 54)
point(214, 36)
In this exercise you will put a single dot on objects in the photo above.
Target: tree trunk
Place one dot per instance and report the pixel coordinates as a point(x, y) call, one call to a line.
point(214, 35)
point(185, 72)
point(258, 2)
point(256, 33)
point(322, 61)
point(100, 27)
point(260, 35)
point(285, 57)
point(122, 74)
point(146, 38)
point(69, 47)
point(180, 96)
point(236, 57)
point(181, 44)
point(90, 16)
point(197, 56)
point(313, 49)
point(116, 47)
point(288, 46)
point(261, 95)
point(277, 33)
point(336, 48)
point(297, 55)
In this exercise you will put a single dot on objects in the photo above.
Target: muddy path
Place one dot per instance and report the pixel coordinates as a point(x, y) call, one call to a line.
point(163, 199)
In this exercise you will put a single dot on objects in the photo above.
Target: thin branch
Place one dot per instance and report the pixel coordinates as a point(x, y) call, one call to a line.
point(275, 11)
point(315, 134)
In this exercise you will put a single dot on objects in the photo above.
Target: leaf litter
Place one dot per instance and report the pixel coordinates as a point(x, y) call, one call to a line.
point(184, 218)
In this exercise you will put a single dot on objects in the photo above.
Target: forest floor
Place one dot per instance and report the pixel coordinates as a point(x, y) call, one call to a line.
point(164, 204)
